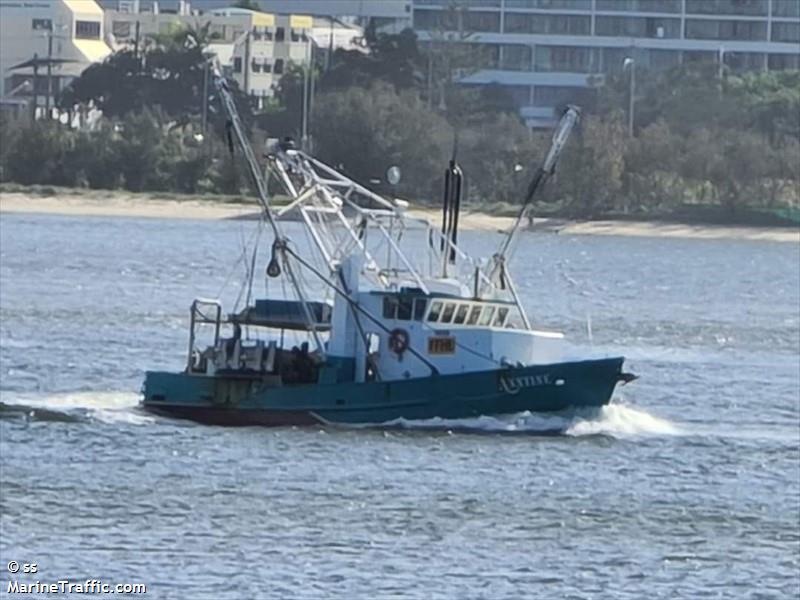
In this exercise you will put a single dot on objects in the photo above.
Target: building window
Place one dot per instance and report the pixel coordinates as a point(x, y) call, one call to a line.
point(666, 6)
point(550, 4)
point(786, 32)
point(481, 21)
point(237, 64)
point(42, 25)
point(521, 94)
point(785, 8)
point(298, 35)
point(663, 59)
point(745, 61)
point(727, 7)
point(558, 95)
point(482, 56)
point(278, 68)
point(516, 57)
point(567, 59)
point(700, 57)
point(457, 20)
point(267, 66)
point(255, 66)
point(87, 30)
point(560, 24)
point(280, 34)
point(612, 59)
point(643, 27)
point(725, 30)
point(781, 62)
point(460, 3)
point(121, 29)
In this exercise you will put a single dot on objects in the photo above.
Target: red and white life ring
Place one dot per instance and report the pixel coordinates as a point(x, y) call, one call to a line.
point(398, 340)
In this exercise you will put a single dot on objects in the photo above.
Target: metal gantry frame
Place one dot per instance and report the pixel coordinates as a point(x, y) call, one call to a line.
point(325, 191)
point(326, 198)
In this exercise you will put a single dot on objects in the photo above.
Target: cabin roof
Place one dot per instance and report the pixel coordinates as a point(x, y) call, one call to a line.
point(418, 293)
point(284, 314)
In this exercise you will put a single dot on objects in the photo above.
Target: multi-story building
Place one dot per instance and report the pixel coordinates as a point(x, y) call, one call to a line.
point(253, 47)
point(548, 52)
point(44, 44)
point(388, 15)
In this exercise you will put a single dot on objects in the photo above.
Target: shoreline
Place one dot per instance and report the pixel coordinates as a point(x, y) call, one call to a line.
point(121, 204)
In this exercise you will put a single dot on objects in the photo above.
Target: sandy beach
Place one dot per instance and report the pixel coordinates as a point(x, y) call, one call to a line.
point(120, 204)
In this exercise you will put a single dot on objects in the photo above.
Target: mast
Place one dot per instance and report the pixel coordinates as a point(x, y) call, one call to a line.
point(235, 123)
point(280, 251)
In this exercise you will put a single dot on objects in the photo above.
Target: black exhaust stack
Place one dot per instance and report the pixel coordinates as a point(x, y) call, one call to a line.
point(451, 206)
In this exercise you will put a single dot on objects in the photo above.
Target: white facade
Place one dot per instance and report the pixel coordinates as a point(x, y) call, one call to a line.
point(548, 52)
point(69, 30)
point(379, 9)
point(254, 48)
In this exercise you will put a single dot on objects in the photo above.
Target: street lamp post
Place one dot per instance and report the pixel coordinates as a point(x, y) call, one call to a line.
point(630, 63)
point(50, 33)
point(49, 73)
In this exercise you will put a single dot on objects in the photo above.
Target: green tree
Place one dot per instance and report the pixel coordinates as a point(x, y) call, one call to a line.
point(651, 178)
point(365, 130)
point(498, 157)
point(593, 164)
point(39, 154)
point(169, 74)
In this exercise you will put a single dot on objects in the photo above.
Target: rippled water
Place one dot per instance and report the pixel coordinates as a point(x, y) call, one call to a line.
point(687, 486)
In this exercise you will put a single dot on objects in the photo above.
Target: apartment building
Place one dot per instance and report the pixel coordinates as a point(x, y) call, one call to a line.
point(548, 52)
point(253, 47)
point(44, 44)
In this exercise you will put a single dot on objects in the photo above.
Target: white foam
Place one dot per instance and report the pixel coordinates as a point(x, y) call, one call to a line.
point(620, 420)
point(617, 420)
point(108, 407)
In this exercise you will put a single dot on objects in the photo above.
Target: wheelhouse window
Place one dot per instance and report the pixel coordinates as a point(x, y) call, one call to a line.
point(486, 317)
point(389, 307)
point(465, 313)
point(461, 314)
point(404, 308)
point(436, 310)
point(87, 30)
point(447, 314)
point(420, 304)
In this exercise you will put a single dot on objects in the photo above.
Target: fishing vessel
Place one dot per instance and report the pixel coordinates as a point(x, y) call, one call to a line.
point(386, 317)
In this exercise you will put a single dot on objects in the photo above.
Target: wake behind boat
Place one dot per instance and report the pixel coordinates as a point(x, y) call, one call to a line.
point(407, 326)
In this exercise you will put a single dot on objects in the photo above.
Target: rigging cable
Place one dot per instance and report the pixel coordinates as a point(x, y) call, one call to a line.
point(356, 305)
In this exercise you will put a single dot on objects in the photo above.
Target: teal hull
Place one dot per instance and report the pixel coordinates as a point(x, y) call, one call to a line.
point(239, 400)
